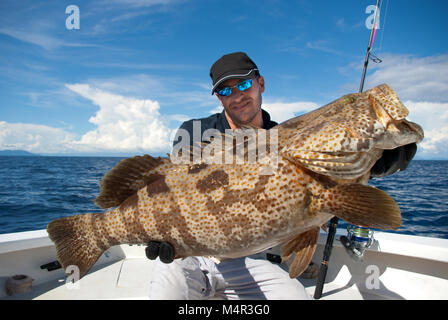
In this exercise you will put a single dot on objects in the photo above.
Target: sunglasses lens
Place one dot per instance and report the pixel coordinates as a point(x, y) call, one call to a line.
point(225, 92)
point(242, 86)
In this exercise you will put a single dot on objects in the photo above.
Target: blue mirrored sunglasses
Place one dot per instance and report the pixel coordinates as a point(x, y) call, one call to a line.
point(242, 86)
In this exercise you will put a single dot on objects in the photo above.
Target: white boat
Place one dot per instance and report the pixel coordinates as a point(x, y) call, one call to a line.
point(397, 267)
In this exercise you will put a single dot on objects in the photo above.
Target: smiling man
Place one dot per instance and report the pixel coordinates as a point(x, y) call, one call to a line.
point(238, 85)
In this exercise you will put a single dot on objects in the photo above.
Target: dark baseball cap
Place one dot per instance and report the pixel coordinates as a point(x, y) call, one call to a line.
point(230, 66)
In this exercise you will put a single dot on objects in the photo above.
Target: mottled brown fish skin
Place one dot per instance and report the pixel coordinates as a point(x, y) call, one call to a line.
point(231, 210)
point(345, 138)
point(220, 210)
point(217, 210)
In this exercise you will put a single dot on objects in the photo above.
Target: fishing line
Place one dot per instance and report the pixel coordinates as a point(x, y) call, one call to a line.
point(372, 56)
point(369, 47)
point(384, 25)
point(377, 19)
point(375, 25)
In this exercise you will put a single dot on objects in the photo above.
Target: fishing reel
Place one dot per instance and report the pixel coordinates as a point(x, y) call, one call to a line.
point(358, 239)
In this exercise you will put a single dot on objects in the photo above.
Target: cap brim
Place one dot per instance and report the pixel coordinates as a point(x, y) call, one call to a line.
point(236, 75)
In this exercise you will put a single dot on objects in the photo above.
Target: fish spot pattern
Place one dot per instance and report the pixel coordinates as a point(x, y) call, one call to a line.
point(208, 209)
point(339, 139)
point(234, 210)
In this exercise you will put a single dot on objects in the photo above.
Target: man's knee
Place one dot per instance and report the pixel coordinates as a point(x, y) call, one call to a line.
point(167, 282)
point(183, 279)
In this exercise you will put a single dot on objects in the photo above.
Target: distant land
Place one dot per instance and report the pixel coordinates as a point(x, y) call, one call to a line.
point(16, 153)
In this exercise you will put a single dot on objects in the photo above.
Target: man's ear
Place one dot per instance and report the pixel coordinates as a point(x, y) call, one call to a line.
point(261, 83)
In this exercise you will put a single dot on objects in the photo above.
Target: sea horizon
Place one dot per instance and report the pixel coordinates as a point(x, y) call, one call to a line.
point(35, 192)
point(127, 155)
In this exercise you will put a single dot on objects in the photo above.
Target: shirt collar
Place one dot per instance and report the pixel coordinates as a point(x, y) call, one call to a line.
point(267, 122)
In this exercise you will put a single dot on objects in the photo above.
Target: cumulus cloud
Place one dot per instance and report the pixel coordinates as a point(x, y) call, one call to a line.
point(433, 117)
point(34, 138)
point(413, 78)
point(281, 111)
point(123, 124)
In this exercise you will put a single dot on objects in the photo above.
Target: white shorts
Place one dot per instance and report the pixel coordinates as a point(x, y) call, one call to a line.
point(198, 278)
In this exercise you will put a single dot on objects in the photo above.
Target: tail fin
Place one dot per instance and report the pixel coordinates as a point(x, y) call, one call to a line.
point(75, 241)
point(362, 205)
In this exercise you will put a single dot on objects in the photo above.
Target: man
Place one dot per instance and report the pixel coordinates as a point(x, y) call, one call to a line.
point(238, 85)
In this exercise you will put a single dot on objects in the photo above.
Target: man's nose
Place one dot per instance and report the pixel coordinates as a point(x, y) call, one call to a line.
point(237, 94)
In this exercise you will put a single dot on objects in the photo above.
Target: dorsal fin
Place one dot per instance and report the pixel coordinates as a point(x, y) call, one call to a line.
point(126, 178)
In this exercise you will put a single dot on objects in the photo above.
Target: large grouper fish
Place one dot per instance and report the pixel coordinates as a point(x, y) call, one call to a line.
point(322, 165)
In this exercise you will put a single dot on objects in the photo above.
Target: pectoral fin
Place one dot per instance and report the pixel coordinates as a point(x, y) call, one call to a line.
point(324, 227)
point(303, 247)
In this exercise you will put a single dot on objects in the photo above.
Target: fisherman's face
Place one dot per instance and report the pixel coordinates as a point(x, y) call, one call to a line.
point(243, 107)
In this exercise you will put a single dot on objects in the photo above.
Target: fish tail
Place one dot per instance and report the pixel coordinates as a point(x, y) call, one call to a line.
point(362, 205)
point(77, 241)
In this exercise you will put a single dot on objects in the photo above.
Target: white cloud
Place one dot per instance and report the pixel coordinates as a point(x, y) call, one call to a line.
point(34, 138)
point(413, 78)
point(124, 124)
point(435, 144)
point(428, 114)
point(218, 109)
point(324, 46)
point(41, 39)
point(433, 117)
point(281, 111)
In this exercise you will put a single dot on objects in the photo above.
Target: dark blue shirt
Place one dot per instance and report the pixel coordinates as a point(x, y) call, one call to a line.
point(216, 121)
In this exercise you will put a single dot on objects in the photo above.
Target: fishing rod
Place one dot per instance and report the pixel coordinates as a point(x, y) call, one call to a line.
point(369, 47)
point(335, 220)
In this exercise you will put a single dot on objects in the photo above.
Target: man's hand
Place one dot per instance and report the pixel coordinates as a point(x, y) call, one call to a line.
point(393, 160)
point(163, 250)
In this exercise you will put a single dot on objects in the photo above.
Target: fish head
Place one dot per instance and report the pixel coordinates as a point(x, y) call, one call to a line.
point(346, 137)
point(386, 104)
point(391, 113)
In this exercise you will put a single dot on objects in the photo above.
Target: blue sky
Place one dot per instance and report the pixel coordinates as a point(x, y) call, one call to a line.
point(124, 81)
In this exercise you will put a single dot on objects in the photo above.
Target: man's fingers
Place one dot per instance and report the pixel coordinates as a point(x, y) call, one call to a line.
point(152, 250)
point(166, 252)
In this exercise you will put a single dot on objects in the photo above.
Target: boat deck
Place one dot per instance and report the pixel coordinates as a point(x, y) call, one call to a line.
point(417, 269)
point(124, 279)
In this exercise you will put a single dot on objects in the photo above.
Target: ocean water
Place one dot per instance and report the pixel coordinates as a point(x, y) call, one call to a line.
point(36, 190)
